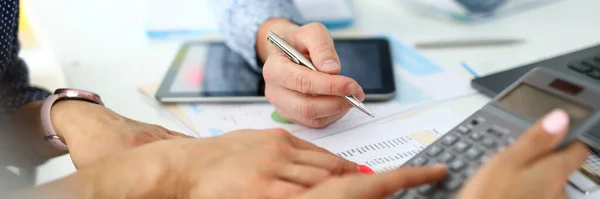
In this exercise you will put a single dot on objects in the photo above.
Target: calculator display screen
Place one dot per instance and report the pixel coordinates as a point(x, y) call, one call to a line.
point(533, 102)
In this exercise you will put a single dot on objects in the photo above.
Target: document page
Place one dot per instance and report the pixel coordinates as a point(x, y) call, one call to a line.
point(387, 144)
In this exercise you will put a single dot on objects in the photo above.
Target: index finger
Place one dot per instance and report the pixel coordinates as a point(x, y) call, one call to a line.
point(331, 162)
point(383, 184)
point(340, 165)
point(282, 71)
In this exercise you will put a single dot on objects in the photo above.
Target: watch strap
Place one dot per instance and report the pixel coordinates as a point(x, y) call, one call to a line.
point(59, 95)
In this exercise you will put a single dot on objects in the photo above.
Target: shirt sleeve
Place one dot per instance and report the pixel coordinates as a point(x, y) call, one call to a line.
point(15, 90)
point(239, 21)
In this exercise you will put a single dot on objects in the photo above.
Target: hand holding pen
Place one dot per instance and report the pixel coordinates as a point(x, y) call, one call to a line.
point(299, 94)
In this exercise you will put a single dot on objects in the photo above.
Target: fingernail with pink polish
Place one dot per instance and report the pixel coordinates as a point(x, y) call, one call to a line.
point(365, 169)
point(556, 121)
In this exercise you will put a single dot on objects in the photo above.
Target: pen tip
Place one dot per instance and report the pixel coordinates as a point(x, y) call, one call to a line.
point(371, 114)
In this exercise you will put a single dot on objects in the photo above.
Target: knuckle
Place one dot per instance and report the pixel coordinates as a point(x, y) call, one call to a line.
point(318, 123)
point(331, 88)
point(278, 149)
point(339, 165)
point(280, 132)
point(322, 176)
point(157, 128)
point(303, 83)
point(325, 48)
point(308, 112)
point(316, 25)
point(268, 73)
point(271, 97)
point(343, 105)
point(319, 175)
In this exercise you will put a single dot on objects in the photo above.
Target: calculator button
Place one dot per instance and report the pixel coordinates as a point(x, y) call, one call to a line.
point(398, 194)
point(489, 142)
point(425, 189)
point(474, 153)
point(463, 129)
point(419, 161)
point(480, 119)
point(447, 157)
point(449, 140)
point(495, 131)
point(452, 184)
point(477, 120)
point(500, 148)
point(469, 172)
point(470, 126)
point(440, 195)
point(457, 165)
point(484, 159)
point(434, 151)
point(579, 67)
point(591, 63)
point(461, 146)
point(477, 136)
point(474, 122)
point(594, 74)
point(510, 140)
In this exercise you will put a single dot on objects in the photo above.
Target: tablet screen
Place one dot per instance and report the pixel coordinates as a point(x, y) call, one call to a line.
point(212, 69)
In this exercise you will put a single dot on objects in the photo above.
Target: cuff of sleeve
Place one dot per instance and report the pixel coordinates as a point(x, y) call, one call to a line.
point(242, 39)
point(11, 103)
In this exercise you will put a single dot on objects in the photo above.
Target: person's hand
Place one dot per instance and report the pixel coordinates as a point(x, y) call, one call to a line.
point(530, 168)
point(243, 164)
point(259, 164)
point(299, 94)
point(376, 186)
point(94, 133)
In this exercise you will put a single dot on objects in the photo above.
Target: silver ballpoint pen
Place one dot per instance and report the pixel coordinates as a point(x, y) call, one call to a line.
point(298, 58)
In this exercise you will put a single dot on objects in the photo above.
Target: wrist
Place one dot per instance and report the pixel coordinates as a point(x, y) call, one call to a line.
point(79, 185)
point(141, 173)
point(121, 178)
point(69, 117)
point(280, 26)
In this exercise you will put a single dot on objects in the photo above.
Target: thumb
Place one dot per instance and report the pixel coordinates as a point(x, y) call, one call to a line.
point(315, 39)
point(384, 184)
point(541, 138)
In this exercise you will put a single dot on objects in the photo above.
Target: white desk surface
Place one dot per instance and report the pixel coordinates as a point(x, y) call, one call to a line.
point(102, 47)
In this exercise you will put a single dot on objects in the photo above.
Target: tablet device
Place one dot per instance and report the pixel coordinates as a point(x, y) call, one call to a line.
point(208, 71)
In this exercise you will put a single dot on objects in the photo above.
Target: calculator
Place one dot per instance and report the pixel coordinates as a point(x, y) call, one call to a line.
point(501, 121)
